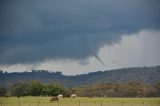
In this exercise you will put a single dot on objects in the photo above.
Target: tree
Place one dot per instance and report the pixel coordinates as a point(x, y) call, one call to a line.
point(3, 91)
point(53, 89)
point(35, 88)
point(20, 89)
point(73, 90)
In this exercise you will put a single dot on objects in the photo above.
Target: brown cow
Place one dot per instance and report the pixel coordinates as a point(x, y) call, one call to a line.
point(54, 99)
point(66, 96)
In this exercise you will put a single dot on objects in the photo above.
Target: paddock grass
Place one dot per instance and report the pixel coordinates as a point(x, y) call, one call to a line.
point(79, 101)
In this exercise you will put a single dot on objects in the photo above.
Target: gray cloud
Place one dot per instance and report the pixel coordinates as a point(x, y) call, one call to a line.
point(34, 31)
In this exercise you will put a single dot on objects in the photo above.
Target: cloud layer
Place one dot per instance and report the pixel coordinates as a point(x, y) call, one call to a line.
point(135, 50)
point(35, 31)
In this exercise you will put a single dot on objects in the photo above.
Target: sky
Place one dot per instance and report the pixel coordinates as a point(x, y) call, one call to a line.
point(78, 36)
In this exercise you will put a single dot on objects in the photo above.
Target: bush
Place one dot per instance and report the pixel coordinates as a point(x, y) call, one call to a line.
point(3, 91)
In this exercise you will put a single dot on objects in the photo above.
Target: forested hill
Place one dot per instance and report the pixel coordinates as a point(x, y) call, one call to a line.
point(140, 74)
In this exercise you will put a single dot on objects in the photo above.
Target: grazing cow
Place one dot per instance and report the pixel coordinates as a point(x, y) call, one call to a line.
point(7, 96)
point(73, 95)
point(66, 95)
point(60, 96)
point(54, 99)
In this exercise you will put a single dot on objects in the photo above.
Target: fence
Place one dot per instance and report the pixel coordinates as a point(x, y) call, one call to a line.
point(76, 102)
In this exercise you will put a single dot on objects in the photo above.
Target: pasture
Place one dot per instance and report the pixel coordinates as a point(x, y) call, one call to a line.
point(79, 101)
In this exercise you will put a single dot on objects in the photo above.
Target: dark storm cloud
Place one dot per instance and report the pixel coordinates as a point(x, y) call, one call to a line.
point(36, 30)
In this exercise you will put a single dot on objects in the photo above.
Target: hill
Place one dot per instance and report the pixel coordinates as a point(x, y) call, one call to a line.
point(140, 74)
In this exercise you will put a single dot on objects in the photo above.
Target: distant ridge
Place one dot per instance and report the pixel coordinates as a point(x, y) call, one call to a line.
point(140, 74)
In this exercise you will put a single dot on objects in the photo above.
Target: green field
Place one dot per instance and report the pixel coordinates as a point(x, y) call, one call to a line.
point(45, 101)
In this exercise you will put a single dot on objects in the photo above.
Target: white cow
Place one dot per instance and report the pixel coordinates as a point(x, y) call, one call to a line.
point(60, 96)
point(73, 95)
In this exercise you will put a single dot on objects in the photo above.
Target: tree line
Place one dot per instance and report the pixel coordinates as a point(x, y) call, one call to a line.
point(129, 89)
point(34, 88)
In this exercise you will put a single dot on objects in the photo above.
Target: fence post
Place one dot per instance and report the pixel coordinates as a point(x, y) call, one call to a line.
point(37, 103)
point(79, 104)
point(122, 103)
point(19, 102)
point(144, 104)
point(58, 102)
point(101, 102)
point(95, 103)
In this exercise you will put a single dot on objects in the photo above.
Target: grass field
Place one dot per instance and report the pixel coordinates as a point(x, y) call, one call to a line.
point(45, 101)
